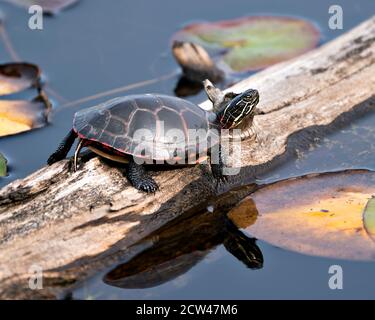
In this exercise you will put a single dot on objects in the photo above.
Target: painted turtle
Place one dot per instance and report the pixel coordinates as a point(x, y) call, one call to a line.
point(131, 129)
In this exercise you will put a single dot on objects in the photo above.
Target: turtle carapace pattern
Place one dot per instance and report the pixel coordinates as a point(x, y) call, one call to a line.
point(154, 128)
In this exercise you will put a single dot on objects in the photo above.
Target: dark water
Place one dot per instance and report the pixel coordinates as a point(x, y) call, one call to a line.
point(99, 45)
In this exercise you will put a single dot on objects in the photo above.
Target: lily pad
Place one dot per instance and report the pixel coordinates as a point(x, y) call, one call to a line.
point(18, 116)
point(16, 77)
point(369, 218)
point(49, 6)
point(3, 166)
point(316, 215)
point(21, 115)
point(253, 43)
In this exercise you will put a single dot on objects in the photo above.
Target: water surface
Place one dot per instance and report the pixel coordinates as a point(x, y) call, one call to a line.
point(99, 45)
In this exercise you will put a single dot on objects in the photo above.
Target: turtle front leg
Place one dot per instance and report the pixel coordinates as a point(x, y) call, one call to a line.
point(139, 178)
point(217, 169)
point(217, 172)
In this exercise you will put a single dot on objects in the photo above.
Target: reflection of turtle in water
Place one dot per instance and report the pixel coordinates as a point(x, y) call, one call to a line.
point(149, 128)
point(178, 249)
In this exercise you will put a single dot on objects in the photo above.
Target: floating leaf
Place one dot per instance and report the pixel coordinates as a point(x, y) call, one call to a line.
point(49, 6)
point(369, 218)
point(3, 166)
point(317, 214)
point(18, 116)
point(253, 43)
point(15, 77)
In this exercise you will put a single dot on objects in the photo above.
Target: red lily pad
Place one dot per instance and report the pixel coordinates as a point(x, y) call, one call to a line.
point(49, 6)
point(252, 43)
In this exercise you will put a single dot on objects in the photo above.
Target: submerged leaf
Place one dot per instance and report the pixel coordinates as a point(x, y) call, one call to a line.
point(18, 116)
point(253, 43)
point(15, 77)
point(49, 6)
point(369, 218)
point(3, 166)
point(317, 214)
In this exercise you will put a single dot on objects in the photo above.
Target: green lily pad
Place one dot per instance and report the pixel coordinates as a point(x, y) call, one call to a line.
point(369, 218)
point(253, 43)
point(3, 166)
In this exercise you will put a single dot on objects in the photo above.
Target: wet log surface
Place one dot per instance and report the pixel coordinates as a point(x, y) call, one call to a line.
point(74, 224)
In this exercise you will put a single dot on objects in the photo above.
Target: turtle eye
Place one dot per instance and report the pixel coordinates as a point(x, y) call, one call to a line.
point(250, 100)
point(231, 95)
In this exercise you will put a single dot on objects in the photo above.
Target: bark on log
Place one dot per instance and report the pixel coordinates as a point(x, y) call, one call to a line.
point(73, 224)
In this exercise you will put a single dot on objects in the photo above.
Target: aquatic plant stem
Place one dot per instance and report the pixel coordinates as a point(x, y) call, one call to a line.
point(51, 92)
point(8, 44)
point(125, 88)
point(16, 58)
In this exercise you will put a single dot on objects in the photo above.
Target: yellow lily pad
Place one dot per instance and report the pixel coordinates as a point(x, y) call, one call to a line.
point(318, 215)
point(18, 116)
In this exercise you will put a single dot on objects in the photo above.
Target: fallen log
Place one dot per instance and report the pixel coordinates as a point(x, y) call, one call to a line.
point(73, 224)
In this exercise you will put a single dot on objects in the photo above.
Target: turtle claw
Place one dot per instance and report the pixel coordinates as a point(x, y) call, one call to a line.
point(217, 173)
point(222, 179)
point(148, 185)
point(53, 158)
point(140, 180)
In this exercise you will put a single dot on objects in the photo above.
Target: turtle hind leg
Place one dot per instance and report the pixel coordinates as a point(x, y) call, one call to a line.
point(138, 177)
point(63, 148)
point(76, 153)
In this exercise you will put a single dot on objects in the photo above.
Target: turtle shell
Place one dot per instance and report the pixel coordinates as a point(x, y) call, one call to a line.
point(149, 126)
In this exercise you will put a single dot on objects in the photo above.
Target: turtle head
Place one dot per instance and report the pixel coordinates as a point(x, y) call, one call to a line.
point(232, 108)
point(242, 247)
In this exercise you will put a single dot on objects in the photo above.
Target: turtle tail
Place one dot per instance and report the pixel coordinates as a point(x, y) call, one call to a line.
point(63, 148)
